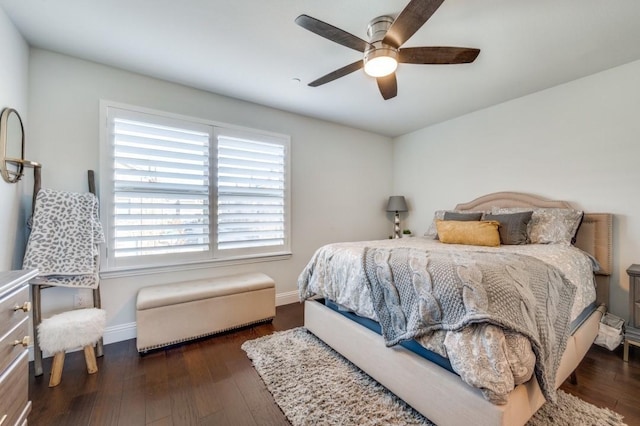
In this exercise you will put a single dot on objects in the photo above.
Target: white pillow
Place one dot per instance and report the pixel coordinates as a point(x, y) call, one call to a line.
point(432, 232)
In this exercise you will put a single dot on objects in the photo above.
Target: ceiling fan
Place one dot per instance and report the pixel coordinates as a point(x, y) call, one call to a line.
point(383, 51)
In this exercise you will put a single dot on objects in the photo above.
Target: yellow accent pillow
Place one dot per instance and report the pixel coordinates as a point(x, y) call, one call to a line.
point(474, 233)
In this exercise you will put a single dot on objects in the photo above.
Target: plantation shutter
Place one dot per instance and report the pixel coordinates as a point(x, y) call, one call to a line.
point(251, 210)
point(161, 188)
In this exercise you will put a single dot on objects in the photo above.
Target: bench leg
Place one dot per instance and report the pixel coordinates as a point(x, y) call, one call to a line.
point(56, 369)
point(90, 359)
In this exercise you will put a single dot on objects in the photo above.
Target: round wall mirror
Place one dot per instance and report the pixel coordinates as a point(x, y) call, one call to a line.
point(11, 145)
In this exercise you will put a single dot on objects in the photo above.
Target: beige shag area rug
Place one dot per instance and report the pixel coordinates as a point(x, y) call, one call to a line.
point(314, 385)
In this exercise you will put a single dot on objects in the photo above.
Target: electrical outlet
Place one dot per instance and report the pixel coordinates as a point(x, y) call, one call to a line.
point(81, 300)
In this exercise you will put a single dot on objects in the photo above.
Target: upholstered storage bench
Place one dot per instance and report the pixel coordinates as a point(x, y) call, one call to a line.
point(174, 313)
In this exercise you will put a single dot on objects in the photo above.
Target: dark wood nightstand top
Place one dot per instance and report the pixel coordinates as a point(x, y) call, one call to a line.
point(634, 269)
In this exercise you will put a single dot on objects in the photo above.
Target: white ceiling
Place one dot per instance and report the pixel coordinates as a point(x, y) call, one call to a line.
point(253, 50)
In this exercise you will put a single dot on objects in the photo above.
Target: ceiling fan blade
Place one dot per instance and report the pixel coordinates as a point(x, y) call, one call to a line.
point(437, 55)
point(412, 17)
point(388, 86)
point(340, 72)
point(332, 33)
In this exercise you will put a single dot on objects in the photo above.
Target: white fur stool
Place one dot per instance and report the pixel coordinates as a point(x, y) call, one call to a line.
point(70, 330)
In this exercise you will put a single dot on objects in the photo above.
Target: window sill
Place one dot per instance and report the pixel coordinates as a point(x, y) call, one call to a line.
point(212, 263)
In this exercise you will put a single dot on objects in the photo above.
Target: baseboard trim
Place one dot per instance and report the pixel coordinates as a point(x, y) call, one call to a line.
point(120, 332)
point(287, 298)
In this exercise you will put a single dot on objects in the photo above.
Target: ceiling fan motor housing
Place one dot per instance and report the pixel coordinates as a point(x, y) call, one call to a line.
point(376, 30)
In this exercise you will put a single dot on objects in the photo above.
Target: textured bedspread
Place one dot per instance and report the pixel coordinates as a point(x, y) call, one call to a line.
point(415, 292)
point(487, 356)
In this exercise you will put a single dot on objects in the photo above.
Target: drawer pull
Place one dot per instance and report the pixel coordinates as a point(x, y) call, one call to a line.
point(26, 307)
point(24, 342)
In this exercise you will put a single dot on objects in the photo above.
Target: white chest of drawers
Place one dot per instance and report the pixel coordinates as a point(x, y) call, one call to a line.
point(14, 339)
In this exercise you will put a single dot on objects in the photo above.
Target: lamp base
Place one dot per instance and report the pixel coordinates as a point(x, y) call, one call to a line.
point(396, 226)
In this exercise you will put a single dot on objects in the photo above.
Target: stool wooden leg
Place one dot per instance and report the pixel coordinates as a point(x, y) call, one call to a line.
point(56, 369)
point(90, 359)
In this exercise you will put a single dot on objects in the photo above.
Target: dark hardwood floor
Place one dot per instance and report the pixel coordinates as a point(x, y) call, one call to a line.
point(212, 382)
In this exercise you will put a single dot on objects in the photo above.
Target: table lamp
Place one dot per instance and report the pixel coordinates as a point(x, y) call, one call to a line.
point(397, 204)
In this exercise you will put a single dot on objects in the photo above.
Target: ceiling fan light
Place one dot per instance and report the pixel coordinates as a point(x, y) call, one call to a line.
point(380, 62)
point(380, 66)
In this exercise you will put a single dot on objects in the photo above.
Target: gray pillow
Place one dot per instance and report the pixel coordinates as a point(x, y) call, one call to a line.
point(513, 227)
point(549, 225)
point(462, 217)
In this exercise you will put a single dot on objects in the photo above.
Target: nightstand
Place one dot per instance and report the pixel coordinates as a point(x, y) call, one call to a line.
point(14, 339)
point(632, 332)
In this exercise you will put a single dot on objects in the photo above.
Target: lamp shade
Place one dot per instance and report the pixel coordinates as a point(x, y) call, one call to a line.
point(397, 204)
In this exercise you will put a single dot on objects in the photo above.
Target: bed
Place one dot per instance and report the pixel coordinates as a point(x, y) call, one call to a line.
point(441, 395)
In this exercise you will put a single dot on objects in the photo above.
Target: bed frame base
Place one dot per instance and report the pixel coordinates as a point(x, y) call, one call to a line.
point(438, 394)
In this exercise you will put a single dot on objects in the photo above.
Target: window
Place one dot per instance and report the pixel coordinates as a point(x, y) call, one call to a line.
point(251, 192)
point(182, 191)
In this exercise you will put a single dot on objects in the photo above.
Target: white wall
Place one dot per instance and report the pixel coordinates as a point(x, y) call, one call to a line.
point(578, 142)
point(341, 177)
point(13, 94)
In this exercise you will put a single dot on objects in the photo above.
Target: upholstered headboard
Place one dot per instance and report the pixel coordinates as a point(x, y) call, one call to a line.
point(594, 235)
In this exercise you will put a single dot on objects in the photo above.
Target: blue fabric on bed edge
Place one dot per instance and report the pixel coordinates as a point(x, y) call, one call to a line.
point(411, 345)
point(420, 350)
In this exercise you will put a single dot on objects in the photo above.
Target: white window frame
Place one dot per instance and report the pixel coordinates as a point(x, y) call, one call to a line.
point(136, 265)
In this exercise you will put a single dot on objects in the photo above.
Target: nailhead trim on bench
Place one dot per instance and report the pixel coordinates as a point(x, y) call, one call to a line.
point(186, 339)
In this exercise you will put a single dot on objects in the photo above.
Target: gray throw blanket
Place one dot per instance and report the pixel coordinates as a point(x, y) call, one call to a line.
point(63, 244)
point(416, 292)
